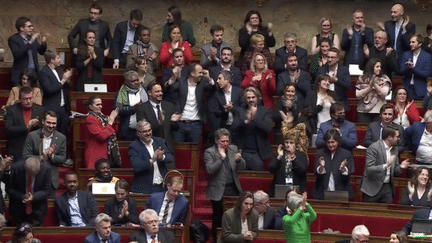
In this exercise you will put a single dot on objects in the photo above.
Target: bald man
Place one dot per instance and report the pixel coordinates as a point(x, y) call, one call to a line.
point(379, 50)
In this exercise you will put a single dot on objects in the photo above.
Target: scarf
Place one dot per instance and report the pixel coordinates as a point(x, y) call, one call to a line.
point(123, 95)
point(142, 48)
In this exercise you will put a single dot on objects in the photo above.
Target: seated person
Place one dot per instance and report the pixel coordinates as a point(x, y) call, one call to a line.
point(359, 234)
point(418, 188)
point(289, 166)
point(130, 95)
point(148, 156)
point(30, 79)
point(419, 214)
point(75, 208)
point(346, 128)
point(406, 111)
point(145, 49)
point(398, 236)
point(170, 206)
point(23, 233)
point(257, 41)
point(123, 209)
point(103, 231)
point(282, 211)
point(290, 41)
point(333, 167)
point(417, 139)
point(296, 223)
point(266, 213)
point(150, 230)
point(374, 132)
point(103, 174)
point(174, 41)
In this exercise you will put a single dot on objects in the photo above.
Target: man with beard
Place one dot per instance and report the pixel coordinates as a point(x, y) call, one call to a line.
point(386, 54)
point(251, 127)
point(122, 209)
point(177, 73)
point(290, 41)
point(103, 174)
point(211, 52)
point(346, 128)
point(75, 208)
point(145, 49)
point(226, 63)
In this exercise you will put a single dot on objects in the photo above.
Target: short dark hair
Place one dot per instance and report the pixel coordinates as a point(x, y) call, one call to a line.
point(70, 173)
point(176, 50)
point(215, 28)
point(89, 31)
point(122, 184)
point(192, 67)
point(385, 107)
point(336, 107)
point(226, 75)
point(96, 6)
point(136, 14)
point(152, 84)
point(227, 48)
point(24, 90)
point(291, 54)
point(243, 196)
point(101, 161)
point(249, 14)
point(49, 55)
point(21, 232)
point(31, 77)
point(142, 28)
point(389, 130)
point(175, 12)
point(49, 113)
point(20, 22)
point(139, 60)
point(334, 49)
point(332, 133)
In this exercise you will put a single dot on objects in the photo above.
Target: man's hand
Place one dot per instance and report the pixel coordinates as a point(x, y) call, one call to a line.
point(125, 209)
point(45, 37)
point(28, 197)
point(106, 52)
point(221, 151)
point(389, 50)
point(405, 164)
point(33, 123)
point(154, 56)
point(405, 23)
point(176, 117)
point(159, 153)
point(410, 64)
point(366, 50)
point(381, 26)
point(34, 37)
point(206, 74)
point(213, 53)
point(238, 156)
point(350, 31)
point(251, 113)
point(228, 106)
point(75, 51)
point(115, 65)
point(248, 236)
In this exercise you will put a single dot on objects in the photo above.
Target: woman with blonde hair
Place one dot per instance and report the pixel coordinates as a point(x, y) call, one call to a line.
point(257, 41)
point(324, 32)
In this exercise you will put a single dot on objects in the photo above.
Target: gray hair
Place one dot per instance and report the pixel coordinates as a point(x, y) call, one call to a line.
point(360, 230)
point(294, 202)
point(290, 35)
point(142, 123)
point(259, 196)
point(144, 213)
point(226, 75)
point(129, 74)
point(221, 132)
point(428, 116)
point(102, 217)
point(32, 165)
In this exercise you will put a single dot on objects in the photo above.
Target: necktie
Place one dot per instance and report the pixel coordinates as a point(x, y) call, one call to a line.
point(159, 114)
point(165, 215)
point(153, 238)
point(29, 189)
point(104, 240)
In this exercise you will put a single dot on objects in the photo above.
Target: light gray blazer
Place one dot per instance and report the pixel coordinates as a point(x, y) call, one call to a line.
point(205, 62)
point(132, 54)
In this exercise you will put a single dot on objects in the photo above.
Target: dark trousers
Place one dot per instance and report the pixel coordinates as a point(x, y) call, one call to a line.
point(216, 217)
point(62, 120)
point(367, 117)
point(188, 131)
point(130, 136)
point(253, 160)
point(385, 195)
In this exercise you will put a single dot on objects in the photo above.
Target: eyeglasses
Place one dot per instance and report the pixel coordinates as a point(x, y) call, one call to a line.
point(24, 228)
point(152, 222)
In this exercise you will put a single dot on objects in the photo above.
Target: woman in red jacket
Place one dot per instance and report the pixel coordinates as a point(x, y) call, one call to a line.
point(175, 41)
point(101, 136)
point(262, 78)
point(406, 112)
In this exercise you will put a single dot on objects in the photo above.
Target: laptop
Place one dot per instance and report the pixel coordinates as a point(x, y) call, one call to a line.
point(103, 188)
point(336, 195)
point(422, 226)
point(280, 190)
point(95, 88)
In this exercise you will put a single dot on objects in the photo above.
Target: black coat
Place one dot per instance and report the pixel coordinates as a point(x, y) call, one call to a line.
point(81, 28)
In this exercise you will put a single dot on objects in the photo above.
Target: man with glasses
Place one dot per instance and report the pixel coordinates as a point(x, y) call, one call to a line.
point(360, 234)
point(266, 218)
point(150, 231)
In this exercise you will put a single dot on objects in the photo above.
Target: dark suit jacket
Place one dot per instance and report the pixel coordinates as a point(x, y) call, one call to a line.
point(422, 213)
point(164, 130)
point(373, 135)
point(179, 211)
point(143, 170)
point(112, 209)
point(17, 189)
point(311, 102)
point(20, 55)
point(170, 94)
point(277, 168)
point(348, 45)
point(281, 59)
point(32, 147)
point(87, 204)
point(235, 71)
point(164, 236)
point(341, 181)
point(421, 71)
point(205, 62)
point(261, 127)
point(402, 39)
point(94, 238)
point(80, 29)
point(52, 88)
point(343, 83)
point(348, 130)
point(97, 65)
point(5, 178)
point(281, 211)
point(413, 134)
point(119, 38)
point(269, 218)
point(302, 86)
point(389, 63)
point(16, 130)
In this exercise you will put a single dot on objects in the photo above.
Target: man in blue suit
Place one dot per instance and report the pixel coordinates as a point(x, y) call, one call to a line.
point(148, 156)
point(415, 66)
point(171, 207)
point(417, 139)
point(103, 231)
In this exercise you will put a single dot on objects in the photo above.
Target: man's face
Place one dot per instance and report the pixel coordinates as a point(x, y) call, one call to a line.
point(27, 29)
point(133, 82)
point(361, 239)
point(71, 183)
point(387, 116)
point(26, 100)
point(170, 18)
point(218, 36)
point(251, 99)
point(155, 94)
point(292, 63)
point(90, 39)
point(56, 61)
point(223, 142)
point(94, 14)
point(174, 190)
point(396, 12)
point(145, 36)
point(151, 224)
point(262, 206)
point(120, 194)
point(104, 229)
point(332, 57)
point(145, 133)
point(226, 56)
point(394, 140)
point(198, 74)
point(380, 39)
point(340, 112)
point(134, 23)
point(222, 82)
point(290, 44)
point(104, 170)
point(178, 58)
point(49, 124)
point(357, 19)
point(414, 44)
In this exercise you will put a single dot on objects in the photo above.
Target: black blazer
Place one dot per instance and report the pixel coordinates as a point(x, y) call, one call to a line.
point(112, 209)
point(269, 218)
point(80, 29)
point(97, 66)
point(20, 55)
point(343, 83)
point(164, 236)
point(217, 114)
point(5, 178)
point(302, 86)
point(16, 130)
point(277, 168)
point(52, 88)
point(17, 188)
point(281, 59)
point(348, 45)
point(88, 208)
point(170, 94)
point(311, 101)
point(119, 38)
point(341, 182)
point(403, 40)
point(235, 72)
point(164, 130)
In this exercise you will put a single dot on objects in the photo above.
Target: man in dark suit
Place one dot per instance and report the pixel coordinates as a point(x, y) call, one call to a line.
point(150, 230)
point(148, 156)
point(103, 231)
point(382, 165)
point(415, 66)
point(54, 84)
point(266, 213)
point(354, 38)
point(290, 41)
point(419, 214)
point(340, 79)
point(24, 47)
point(417, 139)
point(374, 132)
point(125, 35)
point(92, 23)
point(20, 119)
point(160, 114)
point(75, 208)
point(170, 206)
point(383, 52)
point(226, 63)
point(49, 145)
point(359, 234)
point(222, 162)
point(177, 73)
point(251, 127)
point(30, 185)
point(399, 30)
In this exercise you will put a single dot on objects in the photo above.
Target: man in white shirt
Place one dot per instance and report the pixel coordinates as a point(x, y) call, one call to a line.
point(266, 218)
point(150, 231)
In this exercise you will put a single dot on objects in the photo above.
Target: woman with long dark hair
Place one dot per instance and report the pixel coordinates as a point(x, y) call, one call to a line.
point(23, 234)
point(174, 17)
point(418, 188)
point(406, 111)
point(175, 41)
point(28, 78)
point(320, 59)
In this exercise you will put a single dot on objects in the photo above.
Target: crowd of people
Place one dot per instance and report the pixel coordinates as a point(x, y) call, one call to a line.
point(246, 104)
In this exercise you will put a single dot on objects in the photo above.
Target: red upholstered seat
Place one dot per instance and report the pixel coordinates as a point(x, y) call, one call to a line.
point(360, 136)
point(254, 184)
point(263, 240)
point(383, 226)
point(5, 83)
point(113, 81)
point(124, 154)
point(351, 115)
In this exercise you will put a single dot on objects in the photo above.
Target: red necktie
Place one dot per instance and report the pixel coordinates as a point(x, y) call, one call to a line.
point(29, 189)
point(153, 238)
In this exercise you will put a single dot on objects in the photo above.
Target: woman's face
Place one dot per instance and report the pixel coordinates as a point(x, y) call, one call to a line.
point(143, 66)
point(325, 46)
point(290, 145)
point(96, 106)
point(259, 62)
point(290, 92)
point(401, 96)
point(90, 39)
point(254, 20)
point(104, 170)
point(175, 35)
point(332, 145)
point(423, 178)
point(25, 81)
point(28, 238)
point(246, 205)
point(325, 26)
point(393, 238)
point(324, 84)
point(258, 47)
point(377, 69)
